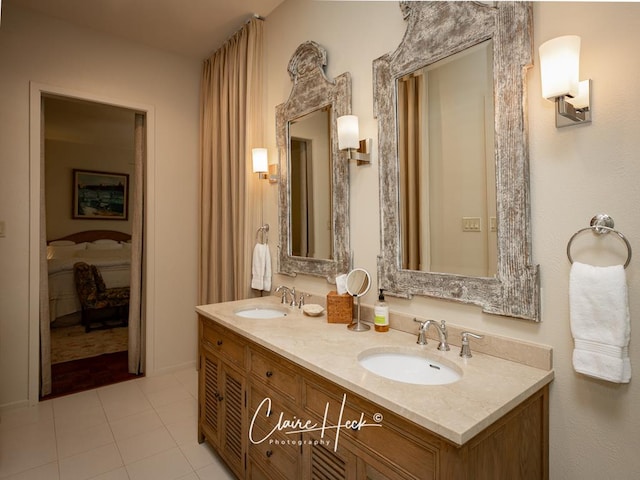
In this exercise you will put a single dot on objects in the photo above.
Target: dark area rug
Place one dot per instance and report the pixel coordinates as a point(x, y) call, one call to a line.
point(87, 373)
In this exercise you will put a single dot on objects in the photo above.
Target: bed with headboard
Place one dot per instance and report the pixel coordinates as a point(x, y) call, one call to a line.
point(109, 250)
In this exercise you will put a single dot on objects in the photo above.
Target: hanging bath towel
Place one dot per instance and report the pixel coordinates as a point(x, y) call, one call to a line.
point(261, 268)
point(600, 322)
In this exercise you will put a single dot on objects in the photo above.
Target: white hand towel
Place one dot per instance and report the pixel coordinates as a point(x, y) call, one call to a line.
point(600, 322)
point(261, 268)
point(266, 274)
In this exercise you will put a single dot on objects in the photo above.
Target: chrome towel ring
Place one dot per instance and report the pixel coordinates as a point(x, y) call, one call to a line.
point(599, 225)
point(262, 234)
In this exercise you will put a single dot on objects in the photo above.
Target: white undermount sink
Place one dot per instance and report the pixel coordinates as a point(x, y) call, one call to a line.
point(408, 367)
point(262, 312)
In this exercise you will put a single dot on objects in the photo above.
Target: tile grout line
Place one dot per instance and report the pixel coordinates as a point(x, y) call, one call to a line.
point(112, 435)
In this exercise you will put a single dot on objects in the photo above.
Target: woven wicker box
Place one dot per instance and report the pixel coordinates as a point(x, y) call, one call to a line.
point(339, 308)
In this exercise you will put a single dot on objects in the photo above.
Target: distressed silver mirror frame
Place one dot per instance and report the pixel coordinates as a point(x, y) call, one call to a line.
point(312, 90)
point(436, 30)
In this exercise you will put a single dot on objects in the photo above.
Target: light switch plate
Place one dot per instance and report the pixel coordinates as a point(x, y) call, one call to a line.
point(2, 228)
point(471, 224)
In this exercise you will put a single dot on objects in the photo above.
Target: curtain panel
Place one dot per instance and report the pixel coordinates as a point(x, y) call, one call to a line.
point(136, 314)
point(231, 125)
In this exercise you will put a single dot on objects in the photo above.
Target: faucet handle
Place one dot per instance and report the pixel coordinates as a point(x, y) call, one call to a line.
point(465, 350)
point(422, 337)
point(301, 300)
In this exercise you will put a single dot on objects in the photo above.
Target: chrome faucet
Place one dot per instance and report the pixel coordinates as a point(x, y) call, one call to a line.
point(442, 333)
point(285, 290)
point(294, 302)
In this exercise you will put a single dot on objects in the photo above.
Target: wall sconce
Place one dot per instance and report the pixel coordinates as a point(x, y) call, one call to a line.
point(260, 162)
point(559, 70)
point(349, 140)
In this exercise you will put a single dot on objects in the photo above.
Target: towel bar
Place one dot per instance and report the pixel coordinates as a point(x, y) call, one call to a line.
point(601, 224)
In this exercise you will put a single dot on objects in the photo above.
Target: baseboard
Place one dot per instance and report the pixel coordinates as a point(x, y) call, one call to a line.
point(172, 369)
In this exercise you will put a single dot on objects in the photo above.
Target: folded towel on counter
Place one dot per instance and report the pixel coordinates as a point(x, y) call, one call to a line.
point(261, 268)
point(600, 322)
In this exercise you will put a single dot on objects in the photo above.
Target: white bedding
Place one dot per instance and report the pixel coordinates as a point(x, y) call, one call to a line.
point(114, 265)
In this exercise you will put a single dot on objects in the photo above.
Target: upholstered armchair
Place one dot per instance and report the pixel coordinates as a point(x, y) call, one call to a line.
point(102, 307)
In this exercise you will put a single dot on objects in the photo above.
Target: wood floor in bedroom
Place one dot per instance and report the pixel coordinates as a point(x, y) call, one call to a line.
point(88, 373)
point(84, 360)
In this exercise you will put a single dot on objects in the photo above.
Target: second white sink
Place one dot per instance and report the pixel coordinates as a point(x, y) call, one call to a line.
point(408, 367)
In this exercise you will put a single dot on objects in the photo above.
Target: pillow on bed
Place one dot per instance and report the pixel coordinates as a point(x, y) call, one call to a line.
point(103, 246)
point(104, 241)
point(64, 251)
point(56, 243)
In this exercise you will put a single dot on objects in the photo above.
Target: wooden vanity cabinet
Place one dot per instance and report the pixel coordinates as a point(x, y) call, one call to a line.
point(246, 390)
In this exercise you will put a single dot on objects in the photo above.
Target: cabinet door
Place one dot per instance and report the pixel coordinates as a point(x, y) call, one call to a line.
point(222, 410)
point(208, 426)
point(323, 462)
point(232, 428)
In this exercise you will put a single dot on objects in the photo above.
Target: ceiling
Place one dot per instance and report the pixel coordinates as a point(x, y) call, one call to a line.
point(193, 28)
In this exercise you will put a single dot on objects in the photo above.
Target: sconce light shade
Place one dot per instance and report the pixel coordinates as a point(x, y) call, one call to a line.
point(559, 76)
point(560, 66)
point(260, 160)
point(349, 140)
point(348, 132)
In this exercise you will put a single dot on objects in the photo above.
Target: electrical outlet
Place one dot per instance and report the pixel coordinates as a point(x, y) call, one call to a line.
point(471, 224)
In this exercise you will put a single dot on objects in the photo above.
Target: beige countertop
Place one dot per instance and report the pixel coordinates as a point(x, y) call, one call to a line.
point(489, 388)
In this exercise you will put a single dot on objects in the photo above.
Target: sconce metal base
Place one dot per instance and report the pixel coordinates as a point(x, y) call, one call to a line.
point(567, 115)
point(362, 156)
point(273, 173)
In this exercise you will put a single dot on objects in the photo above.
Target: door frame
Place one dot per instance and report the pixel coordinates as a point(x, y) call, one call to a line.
point(36, 92)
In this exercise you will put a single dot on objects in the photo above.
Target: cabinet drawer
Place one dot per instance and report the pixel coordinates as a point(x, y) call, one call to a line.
point(265, 410)
point(270, 448)
point(223, 343)
point(277, 453)
point(272, 372)
point(386, 441)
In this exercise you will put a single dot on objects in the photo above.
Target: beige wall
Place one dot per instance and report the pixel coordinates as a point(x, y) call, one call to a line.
point(575, 173)
point(61, 158)
point(34, 48)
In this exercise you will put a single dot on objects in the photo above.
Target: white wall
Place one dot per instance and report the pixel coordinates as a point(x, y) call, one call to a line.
point(34, 48)
point(575, 173)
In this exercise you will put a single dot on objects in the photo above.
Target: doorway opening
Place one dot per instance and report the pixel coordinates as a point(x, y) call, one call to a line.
point(92, 171)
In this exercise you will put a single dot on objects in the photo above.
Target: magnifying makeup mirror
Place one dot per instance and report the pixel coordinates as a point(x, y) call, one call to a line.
point(358, 284)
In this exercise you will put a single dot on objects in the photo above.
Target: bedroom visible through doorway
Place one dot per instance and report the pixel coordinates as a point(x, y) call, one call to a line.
point(90, 168)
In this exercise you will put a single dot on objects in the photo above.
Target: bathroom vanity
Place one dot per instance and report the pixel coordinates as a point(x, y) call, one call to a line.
point(286, 398)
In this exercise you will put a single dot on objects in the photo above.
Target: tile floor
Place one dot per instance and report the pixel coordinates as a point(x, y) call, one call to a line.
point(142, 429)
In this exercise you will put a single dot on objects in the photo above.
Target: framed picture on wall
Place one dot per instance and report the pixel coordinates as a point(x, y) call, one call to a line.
point(100, 195)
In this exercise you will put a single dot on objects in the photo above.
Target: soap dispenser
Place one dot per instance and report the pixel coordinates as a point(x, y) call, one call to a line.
point(381, 314)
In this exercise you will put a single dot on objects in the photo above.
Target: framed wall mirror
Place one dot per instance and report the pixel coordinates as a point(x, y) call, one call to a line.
point(454, 166)
point(314, 174)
